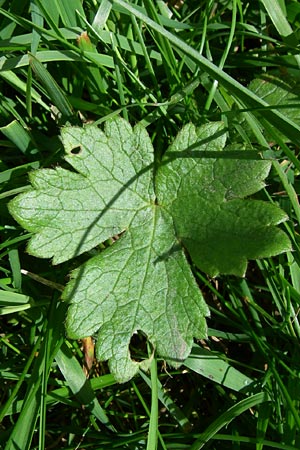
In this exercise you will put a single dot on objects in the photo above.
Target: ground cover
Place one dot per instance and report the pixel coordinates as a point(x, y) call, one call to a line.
point(228, 67)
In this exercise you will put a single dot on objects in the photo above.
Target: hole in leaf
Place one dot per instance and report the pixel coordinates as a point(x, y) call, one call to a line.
point(138, 346)
point(76, 150)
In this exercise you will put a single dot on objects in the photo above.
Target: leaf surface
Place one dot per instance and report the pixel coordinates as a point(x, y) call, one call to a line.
point(191, 206)
point(220, 229)
point(142, 282)
point(72, 212)
point(281, 90)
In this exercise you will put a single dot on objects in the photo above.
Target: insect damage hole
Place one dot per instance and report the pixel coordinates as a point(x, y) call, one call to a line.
point(76, 150)
point(139, 345)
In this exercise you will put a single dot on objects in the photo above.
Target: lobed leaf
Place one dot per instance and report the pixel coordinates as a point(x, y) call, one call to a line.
point(220, 230)
point(142, 282)
point(193, 202)
point(72, 212)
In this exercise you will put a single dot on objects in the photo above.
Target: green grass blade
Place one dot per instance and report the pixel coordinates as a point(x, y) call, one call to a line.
point(224, 55)
point(102, 15)
point(278, 17)
point(37, 19)
point(14, 299)
point(7, 28)
point(95, 82)
point(277, 119)
point(68, 12)
point(237, 439)
point(29, 92)
point(146, 54)
point(79, 384)
point(264, 413)
point(290, 401)
point(6, 175)
point(14, 262)
point(55, 55)
point(169, 60)
point(289, 189)
point(213, 367)
point(50, 13)
point(15, 81)
point(7, 407)
point(54, 91)
point(165, 399)
point(153, 426)
point(225, 418)
point(60, 395)
point(19, 136)
point(23, 430)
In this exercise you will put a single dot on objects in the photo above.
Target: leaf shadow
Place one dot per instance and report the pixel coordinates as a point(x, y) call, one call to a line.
point(166, 255)
point(190, 152)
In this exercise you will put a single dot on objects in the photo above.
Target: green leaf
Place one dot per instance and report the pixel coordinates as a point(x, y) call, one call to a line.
point(143, 282)
point(204, 196)
point(84, 208)
point(281, 90)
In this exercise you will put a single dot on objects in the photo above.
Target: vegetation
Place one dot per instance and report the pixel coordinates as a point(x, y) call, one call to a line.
point(163, 66)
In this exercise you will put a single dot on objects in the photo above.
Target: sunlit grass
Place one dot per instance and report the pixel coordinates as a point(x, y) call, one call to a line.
point(76, 62)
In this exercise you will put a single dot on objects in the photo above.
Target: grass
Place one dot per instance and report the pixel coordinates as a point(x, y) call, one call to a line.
point(162, 65)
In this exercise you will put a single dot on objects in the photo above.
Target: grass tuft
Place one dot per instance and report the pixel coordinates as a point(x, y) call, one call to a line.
point(163, 64)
